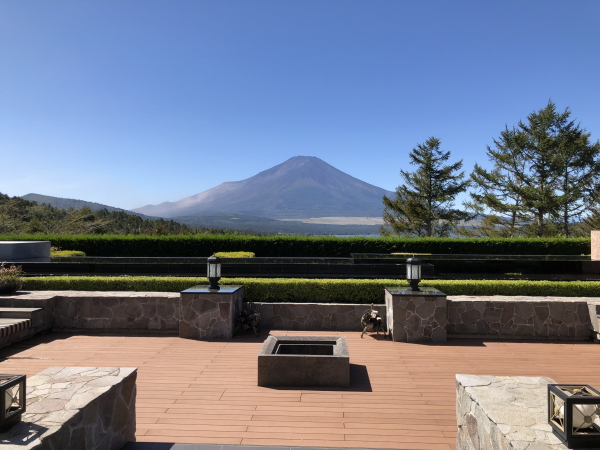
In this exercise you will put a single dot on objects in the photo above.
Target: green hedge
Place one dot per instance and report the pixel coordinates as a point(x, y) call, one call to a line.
point(235, 254)
point(66, 253)
point(299, 246)
point(320, 290)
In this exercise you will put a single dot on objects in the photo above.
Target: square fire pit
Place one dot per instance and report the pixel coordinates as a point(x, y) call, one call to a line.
point(299, 361)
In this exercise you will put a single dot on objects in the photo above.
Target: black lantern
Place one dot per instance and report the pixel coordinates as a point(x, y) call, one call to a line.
point(413, 273)
point(573, 414)
point(213, 272)
point(12, 400)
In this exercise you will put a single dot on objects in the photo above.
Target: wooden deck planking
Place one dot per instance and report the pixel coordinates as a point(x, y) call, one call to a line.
point(402, 395)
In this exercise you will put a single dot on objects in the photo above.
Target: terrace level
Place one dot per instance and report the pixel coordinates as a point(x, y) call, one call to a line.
point(402, 396)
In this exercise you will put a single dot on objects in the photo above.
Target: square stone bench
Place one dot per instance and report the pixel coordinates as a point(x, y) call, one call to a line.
point(502, 413)
point(304, 361)
point(76, 408)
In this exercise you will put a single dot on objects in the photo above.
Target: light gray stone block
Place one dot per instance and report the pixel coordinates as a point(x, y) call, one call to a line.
point(25, 251)
point(502, 413)
point(76, 408)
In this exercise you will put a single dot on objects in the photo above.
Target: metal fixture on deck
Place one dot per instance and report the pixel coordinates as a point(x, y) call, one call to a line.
point(573, 414)
point(213, 272)
point(413, 273)
point(12, 400)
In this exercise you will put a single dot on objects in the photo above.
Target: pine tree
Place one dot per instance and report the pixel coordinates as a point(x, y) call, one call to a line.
point(424, 205)
point(577, 168)
point(545, 175)
point(498, 190)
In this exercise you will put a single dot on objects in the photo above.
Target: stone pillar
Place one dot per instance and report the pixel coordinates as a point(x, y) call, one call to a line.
point(595, 235)
point(416, 316)
point(209, 314)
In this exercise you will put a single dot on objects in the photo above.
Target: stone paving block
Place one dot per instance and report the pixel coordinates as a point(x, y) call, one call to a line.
point(75, 408)
point(503, 413)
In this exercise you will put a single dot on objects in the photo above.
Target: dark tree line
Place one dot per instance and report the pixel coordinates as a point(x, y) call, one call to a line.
point(19, 216)
point(544, 181)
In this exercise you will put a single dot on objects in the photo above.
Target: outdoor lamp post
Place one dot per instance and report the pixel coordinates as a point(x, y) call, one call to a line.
point(573, 414)
point(12, 400)
point(213, 272)
point(413, 273)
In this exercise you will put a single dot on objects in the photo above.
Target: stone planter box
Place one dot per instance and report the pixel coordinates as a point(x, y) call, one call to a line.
point(302, 361)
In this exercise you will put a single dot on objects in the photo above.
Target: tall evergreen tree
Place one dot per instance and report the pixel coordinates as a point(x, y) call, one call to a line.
point(424, 205)
point(545, 175)
point(498, 190)
point(577, 166)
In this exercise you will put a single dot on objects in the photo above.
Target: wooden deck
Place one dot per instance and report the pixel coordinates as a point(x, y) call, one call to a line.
point(402, 395)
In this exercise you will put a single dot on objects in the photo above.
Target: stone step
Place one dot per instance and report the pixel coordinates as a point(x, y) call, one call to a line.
point(13, 326)
point(18, 313)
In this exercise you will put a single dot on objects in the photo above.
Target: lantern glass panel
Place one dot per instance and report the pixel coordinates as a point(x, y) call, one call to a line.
point(413, 271)
point(584, 416)
point(557, 409)
point(574, 414)
point(213, 267)
point(214, 270)
point(416, 272)
point(11, 400)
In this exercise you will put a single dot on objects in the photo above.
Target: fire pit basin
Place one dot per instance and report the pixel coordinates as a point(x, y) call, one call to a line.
point(302, 361)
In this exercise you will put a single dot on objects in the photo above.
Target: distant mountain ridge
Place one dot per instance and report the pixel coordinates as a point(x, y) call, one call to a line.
point(221, 220)
point(301, 187)
point(66, 203)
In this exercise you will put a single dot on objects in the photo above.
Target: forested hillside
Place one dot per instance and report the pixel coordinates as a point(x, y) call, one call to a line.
point(21, 216)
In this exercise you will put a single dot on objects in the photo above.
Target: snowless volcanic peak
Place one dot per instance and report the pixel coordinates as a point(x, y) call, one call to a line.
point(301, 187)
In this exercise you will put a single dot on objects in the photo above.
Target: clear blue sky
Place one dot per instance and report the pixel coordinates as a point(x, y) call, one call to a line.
point(130, 102)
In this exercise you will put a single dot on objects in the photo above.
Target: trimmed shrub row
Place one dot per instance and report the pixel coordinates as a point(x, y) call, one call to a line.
point(303, 246)
point(66, 253)
point(235, 254)
point(316, 290)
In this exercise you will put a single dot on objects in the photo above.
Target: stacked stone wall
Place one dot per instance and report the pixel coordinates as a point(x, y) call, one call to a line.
point(314, 316)
point(501, 317)
point(209, 315)
point(118, 311)
point(519, 317)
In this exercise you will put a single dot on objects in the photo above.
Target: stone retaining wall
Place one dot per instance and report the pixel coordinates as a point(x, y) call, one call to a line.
point(500, 413)
point(75, 408)
point(519, 317)
point(117, 311)
point(314, 316)
point(501, 317)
